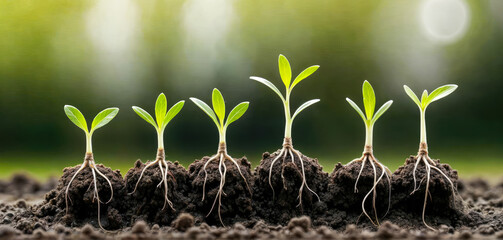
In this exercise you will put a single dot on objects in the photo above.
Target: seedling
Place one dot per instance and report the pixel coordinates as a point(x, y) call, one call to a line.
point(369, 118)
point(285, 72)
point(163, 117)
point(422, 155)
point(218, 117)
point(103, 118)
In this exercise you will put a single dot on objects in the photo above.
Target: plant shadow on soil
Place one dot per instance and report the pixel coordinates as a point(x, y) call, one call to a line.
point(338, 209)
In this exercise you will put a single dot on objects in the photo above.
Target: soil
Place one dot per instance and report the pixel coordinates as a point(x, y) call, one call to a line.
point(139, 216)
point(284, 205)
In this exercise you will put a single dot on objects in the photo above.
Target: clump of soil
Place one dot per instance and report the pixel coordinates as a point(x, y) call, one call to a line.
point(236, 201)
point(82, 204)
point(285, 204)
point(148, 201)
point(443, 207)
point(342, 195)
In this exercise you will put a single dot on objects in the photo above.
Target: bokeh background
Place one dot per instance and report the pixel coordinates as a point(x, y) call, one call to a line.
point(101, 53)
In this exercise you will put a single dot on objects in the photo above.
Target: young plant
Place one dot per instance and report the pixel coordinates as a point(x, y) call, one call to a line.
point(162, 118)
point(218, 117)
point(103, 118)
point(369, 118)
point(422, 155)
point(285, 72)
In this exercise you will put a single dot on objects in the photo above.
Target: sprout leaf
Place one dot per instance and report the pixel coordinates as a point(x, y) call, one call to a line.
point(173, 111)
point(304, 106)
point(218, 104)
point(381, 110)
point(304, 74)
point(160, 109)
point(358, 110)
point(412, 95)
point(369, 99)
point(441, 92)
point(203, 106)
point(270, 85)
point(145, 115)
point(103, 118)
point(285, 70)
point(237, 112)
point(76, 117)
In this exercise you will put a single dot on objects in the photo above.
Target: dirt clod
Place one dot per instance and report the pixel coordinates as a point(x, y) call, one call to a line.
point(183, 222)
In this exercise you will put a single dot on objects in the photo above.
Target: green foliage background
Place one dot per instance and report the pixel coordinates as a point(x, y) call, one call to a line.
point(98, 54)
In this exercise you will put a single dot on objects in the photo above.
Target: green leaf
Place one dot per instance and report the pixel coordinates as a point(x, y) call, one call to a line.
point(369, 99)
point(358, 110)
point(284, 70)
point(304, 106)
point(304, 74)
point(412, 95)
point(268, 84)
point(145, 115)
point(76, 117)
point(103, 118)
point(173, 111)
point(218, 105)
point(381, 110)
point(440, 92)
point(161, 105)
point(203, 106)
point(424, 99)
point(237, 112)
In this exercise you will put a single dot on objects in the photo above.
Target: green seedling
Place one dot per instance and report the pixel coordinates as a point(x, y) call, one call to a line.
point(422, 155)
point(103, 118)
point(162, 118)
point(369, 118)
point(286, 76)
point(218, 117)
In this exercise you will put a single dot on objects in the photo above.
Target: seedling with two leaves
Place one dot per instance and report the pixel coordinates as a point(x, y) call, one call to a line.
point(369, 118)
point(162, 118)
point(103, 118)
point(217, 114)
point(422, 155)
point(286, 76)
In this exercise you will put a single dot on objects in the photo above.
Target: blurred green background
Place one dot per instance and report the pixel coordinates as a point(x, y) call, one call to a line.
point(103, 53)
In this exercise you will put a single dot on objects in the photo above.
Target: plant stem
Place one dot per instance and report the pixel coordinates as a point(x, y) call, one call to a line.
point(369, 136)
point(160, 139)
point(222, 134)
point(423, 126)
point(89, 145)
point(288, 119)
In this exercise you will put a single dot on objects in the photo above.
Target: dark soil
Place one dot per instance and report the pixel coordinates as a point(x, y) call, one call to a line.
point(236, 202)
point(284, 206)
point(139, 216)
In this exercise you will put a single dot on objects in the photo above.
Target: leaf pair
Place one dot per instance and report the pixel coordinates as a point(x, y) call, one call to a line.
point(217, 114)
point(369, 102)
point(426, 98)
point(103, 118)
point(162, 115)
point(285, 72)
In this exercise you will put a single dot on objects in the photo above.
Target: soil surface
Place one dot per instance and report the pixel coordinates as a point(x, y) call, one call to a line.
point(476, 211)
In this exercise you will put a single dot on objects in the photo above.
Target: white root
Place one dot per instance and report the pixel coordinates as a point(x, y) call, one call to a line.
point(270, 172)
point(89, 162)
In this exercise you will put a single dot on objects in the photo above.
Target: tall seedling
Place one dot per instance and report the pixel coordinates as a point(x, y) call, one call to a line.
point(162, 118)
point(369, 119)
point(103, 118)
point(217, 114)
point(422, 155)
point(286, 76)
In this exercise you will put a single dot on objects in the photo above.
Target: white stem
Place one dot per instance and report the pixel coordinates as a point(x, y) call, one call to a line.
point(288, 118)
point(89, 145)
point(369, 135)
point(160, 139)
point(222, 134)
point(423, 126)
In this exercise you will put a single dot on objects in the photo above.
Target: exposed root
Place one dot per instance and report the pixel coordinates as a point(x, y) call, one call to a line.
point(368, 156)
point(285, 151)
point(89, 162)
point(429, 164)
point(163, 167)
point(222, 156)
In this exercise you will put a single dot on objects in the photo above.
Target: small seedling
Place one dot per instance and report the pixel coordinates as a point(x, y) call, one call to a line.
point(422, 155)
point(103, 118)
point(369, 118)
point(163, 117)
point(218, 117)
point(286, 76)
